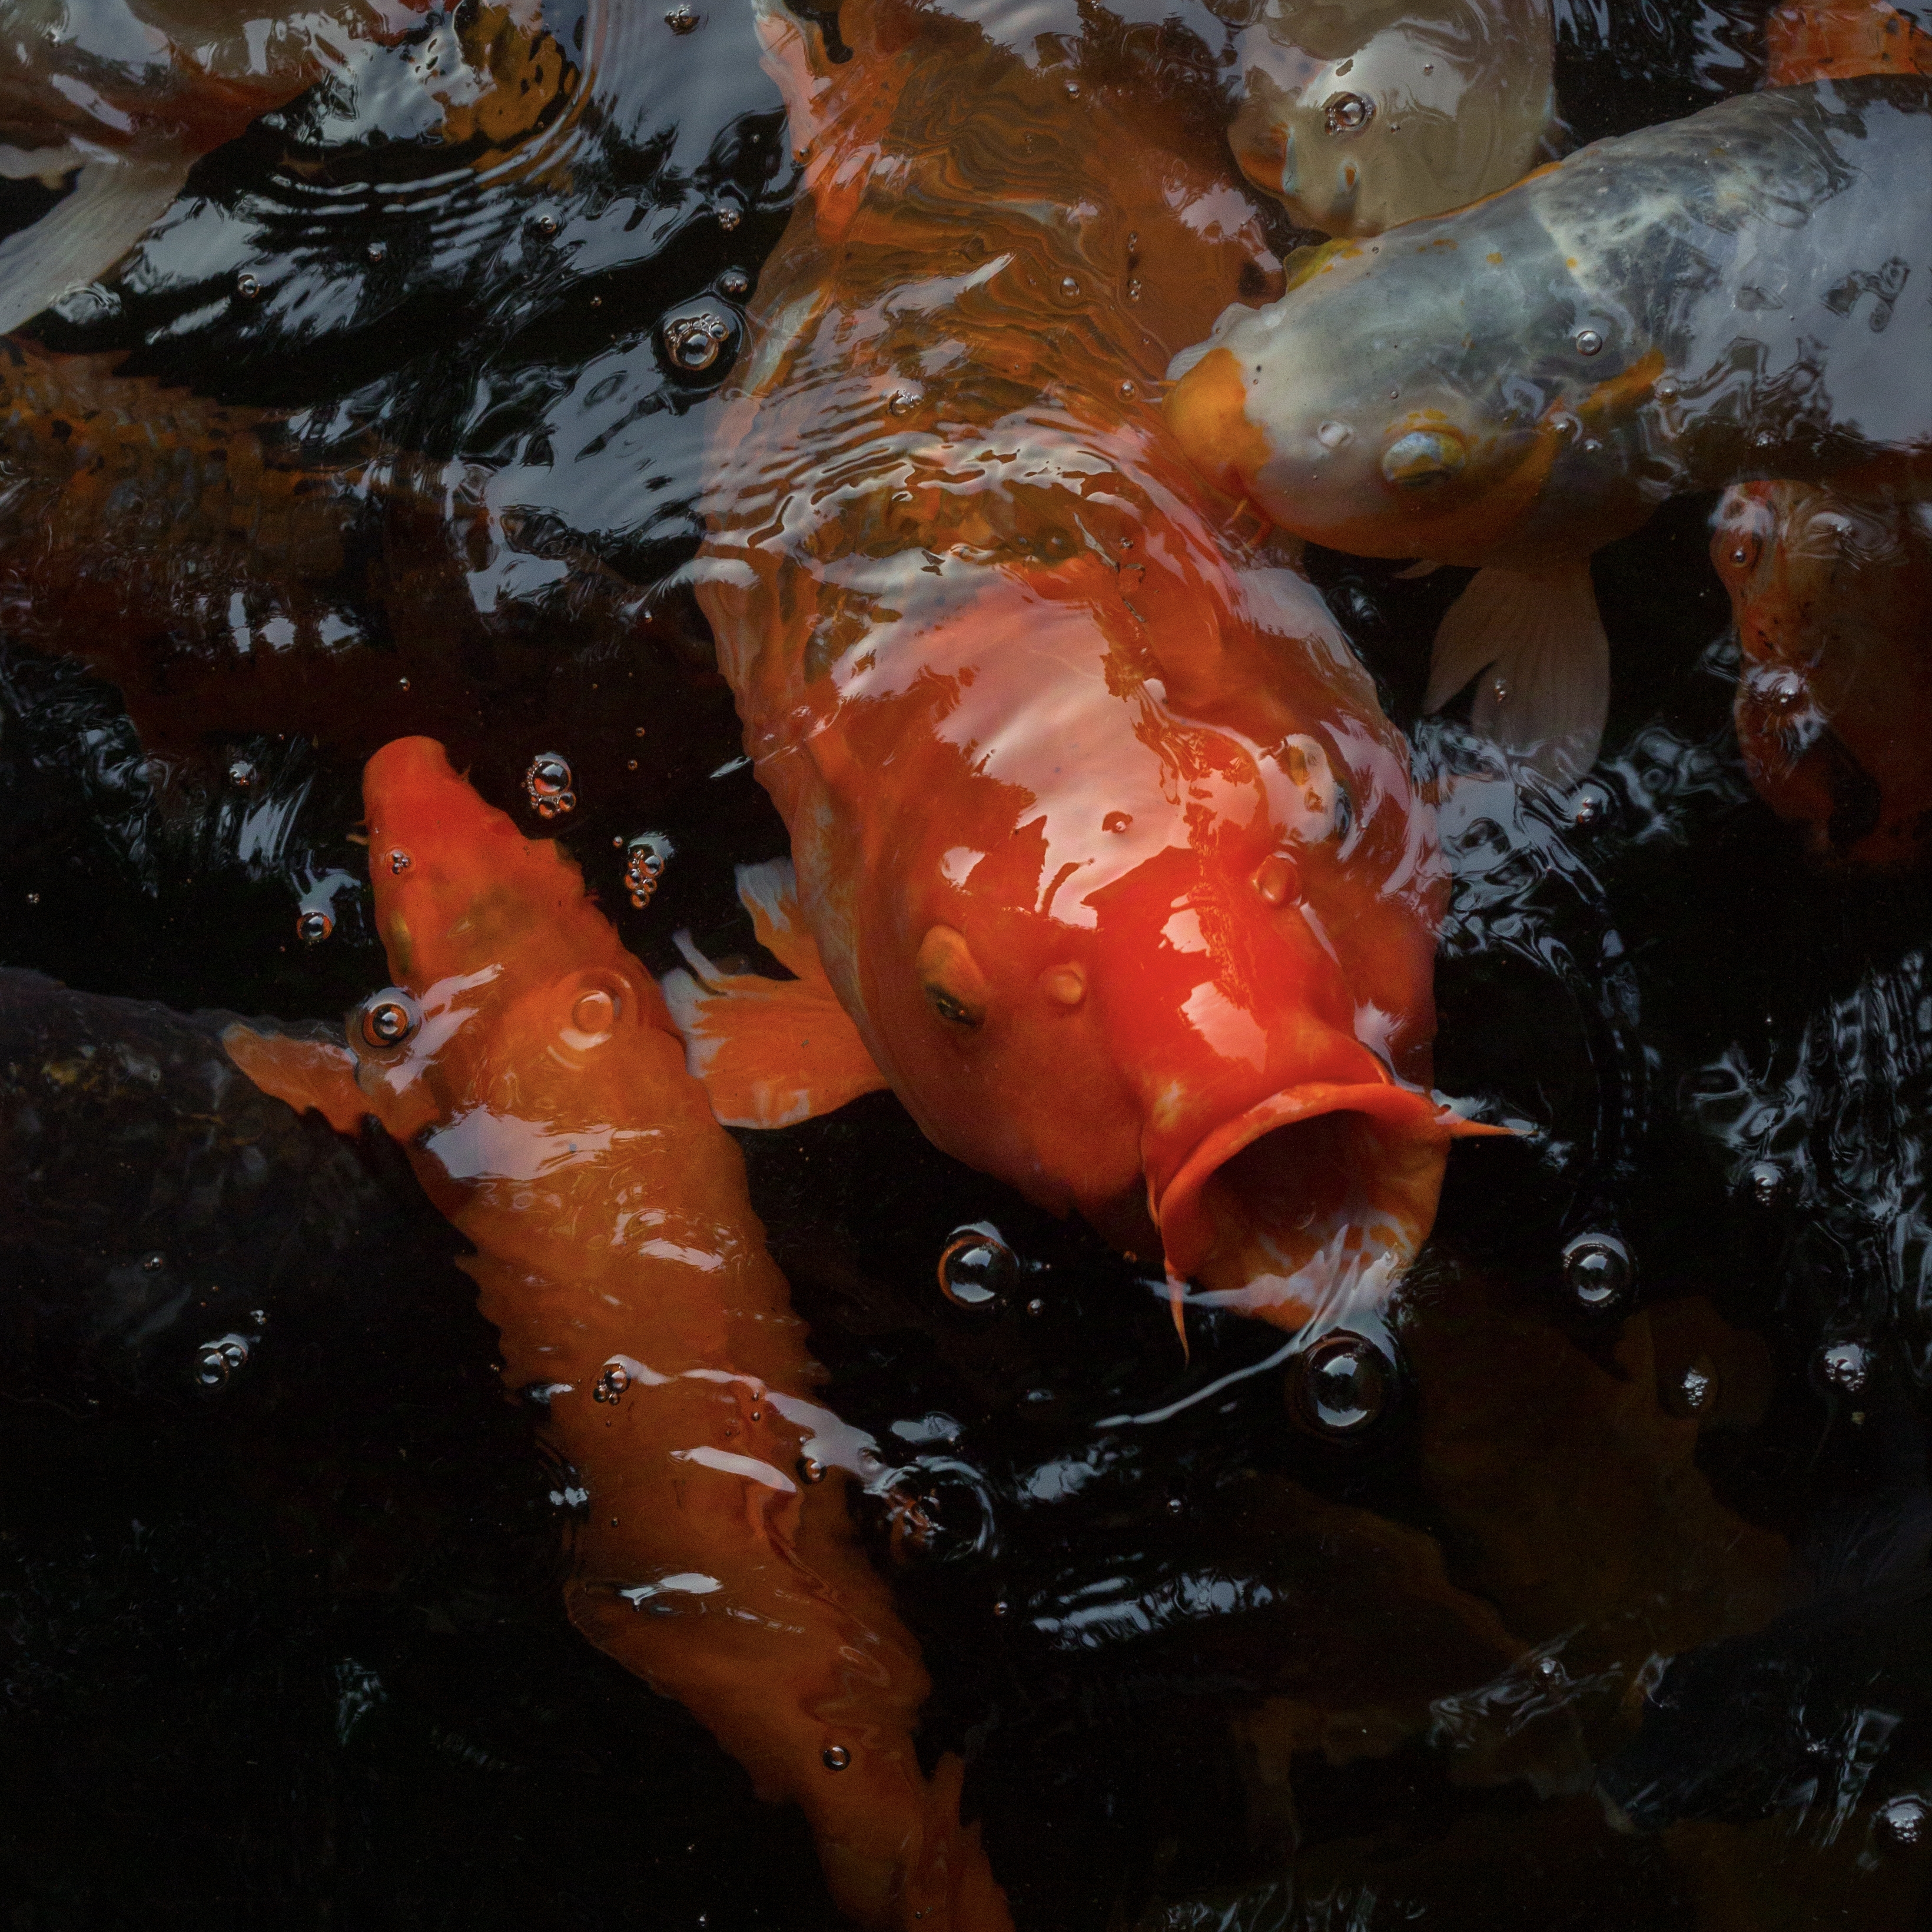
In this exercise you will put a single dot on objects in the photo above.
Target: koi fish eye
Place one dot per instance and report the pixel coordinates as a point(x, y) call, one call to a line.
point(1347, 113)
point(385, 1020)
point(950, 978)
point(1423, 456)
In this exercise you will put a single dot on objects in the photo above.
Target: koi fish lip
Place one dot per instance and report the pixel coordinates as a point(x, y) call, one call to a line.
point(1393, 1175)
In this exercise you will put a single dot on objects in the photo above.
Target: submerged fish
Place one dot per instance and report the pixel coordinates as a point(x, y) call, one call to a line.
point(1832, 594)
point(526, 1062)
point(1107, 849)
point(127, 94)
point(1360, 115)
point(1513, 386)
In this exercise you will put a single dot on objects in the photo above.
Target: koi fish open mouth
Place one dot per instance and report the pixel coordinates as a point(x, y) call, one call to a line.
point(1312, 1202)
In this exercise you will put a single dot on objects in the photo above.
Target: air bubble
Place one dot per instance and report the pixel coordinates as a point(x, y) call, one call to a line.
point(681, 20)
point(1596, 1270)
point(903, 402)
point(246, 287)
point(1117, 821)
point(836, 1757)
point(977, 1271)
point(376, 250)
point(242, 776)
point(1589, 342)
point(1845, 1366)
point(699, 343)
point(388, 1019)
point(1903, 1823)
point(811, 1469)
point(1128, 391)
point(1341, 1385)
point(1069, 286)
point(548, 785)
point(736, 283)
point(647, 855)
point(612, 1383)
point(1589, 805)
point(153, 1264)
point(1347, 113)
point(1766, 1179)
point(728, 218)
point(215, 1362)
point(546, 225)
point(400, 863)
point(313, 925)
point(1333, 435)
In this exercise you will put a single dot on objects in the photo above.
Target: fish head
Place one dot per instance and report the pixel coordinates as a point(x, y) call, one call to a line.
point(1418, 119)
point(506, 975)
point(1167, 976)
point(1416, 396)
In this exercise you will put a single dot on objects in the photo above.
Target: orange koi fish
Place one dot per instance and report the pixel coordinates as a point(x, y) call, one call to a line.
point(525, 1061)
point(1832, 594)
point(130, 93)
point(1106, 846)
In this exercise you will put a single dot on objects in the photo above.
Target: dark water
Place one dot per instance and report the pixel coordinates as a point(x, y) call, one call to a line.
point(1617, 1617)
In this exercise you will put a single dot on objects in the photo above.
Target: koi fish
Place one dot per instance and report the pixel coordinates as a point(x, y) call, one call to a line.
point(126, 95)
point(1357, 117)
point(1516, 385)
point(1832, 595)
point(1101, 837)
point(526, 1063)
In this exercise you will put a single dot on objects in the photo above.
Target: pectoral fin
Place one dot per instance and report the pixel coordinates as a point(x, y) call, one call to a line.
point(1537, 641)
point(770, 1052)
point(303, 1073)
point(113, 203)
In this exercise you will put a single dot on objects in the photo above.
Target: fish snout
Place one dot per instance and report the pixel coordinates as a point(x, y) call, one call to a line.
point(1316, 1196)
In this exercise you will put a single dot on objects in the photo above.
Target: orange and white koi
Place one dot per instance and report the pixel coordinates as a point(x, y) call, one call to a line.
point(1515, 385)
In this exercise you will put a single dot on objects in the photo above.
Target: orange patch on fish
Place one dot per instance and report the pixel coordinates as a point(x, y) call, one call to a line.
point(527, 1064)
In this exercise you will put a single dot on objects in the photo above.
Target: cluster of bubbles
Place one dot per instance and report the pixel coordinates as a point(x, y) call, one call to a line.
point(645, 858)
point(549, 785)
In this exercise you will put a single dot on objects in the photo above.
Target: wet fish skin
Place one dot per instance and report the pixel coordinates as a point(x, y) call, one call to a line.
point(1831, 593)
point(1360, 116)
point(115, 100)
point(1515, 385)
point(150, 1198)
point(1105, 845)
point(541, 1094)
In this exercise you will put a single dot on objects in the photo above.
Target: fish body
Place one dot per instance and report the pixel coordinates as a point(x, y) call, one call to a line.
point(1357, 117)
point(1511, 386)
point(1108, 850)
point(1832, 597)
point(127, 94)
point(526, 1063)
